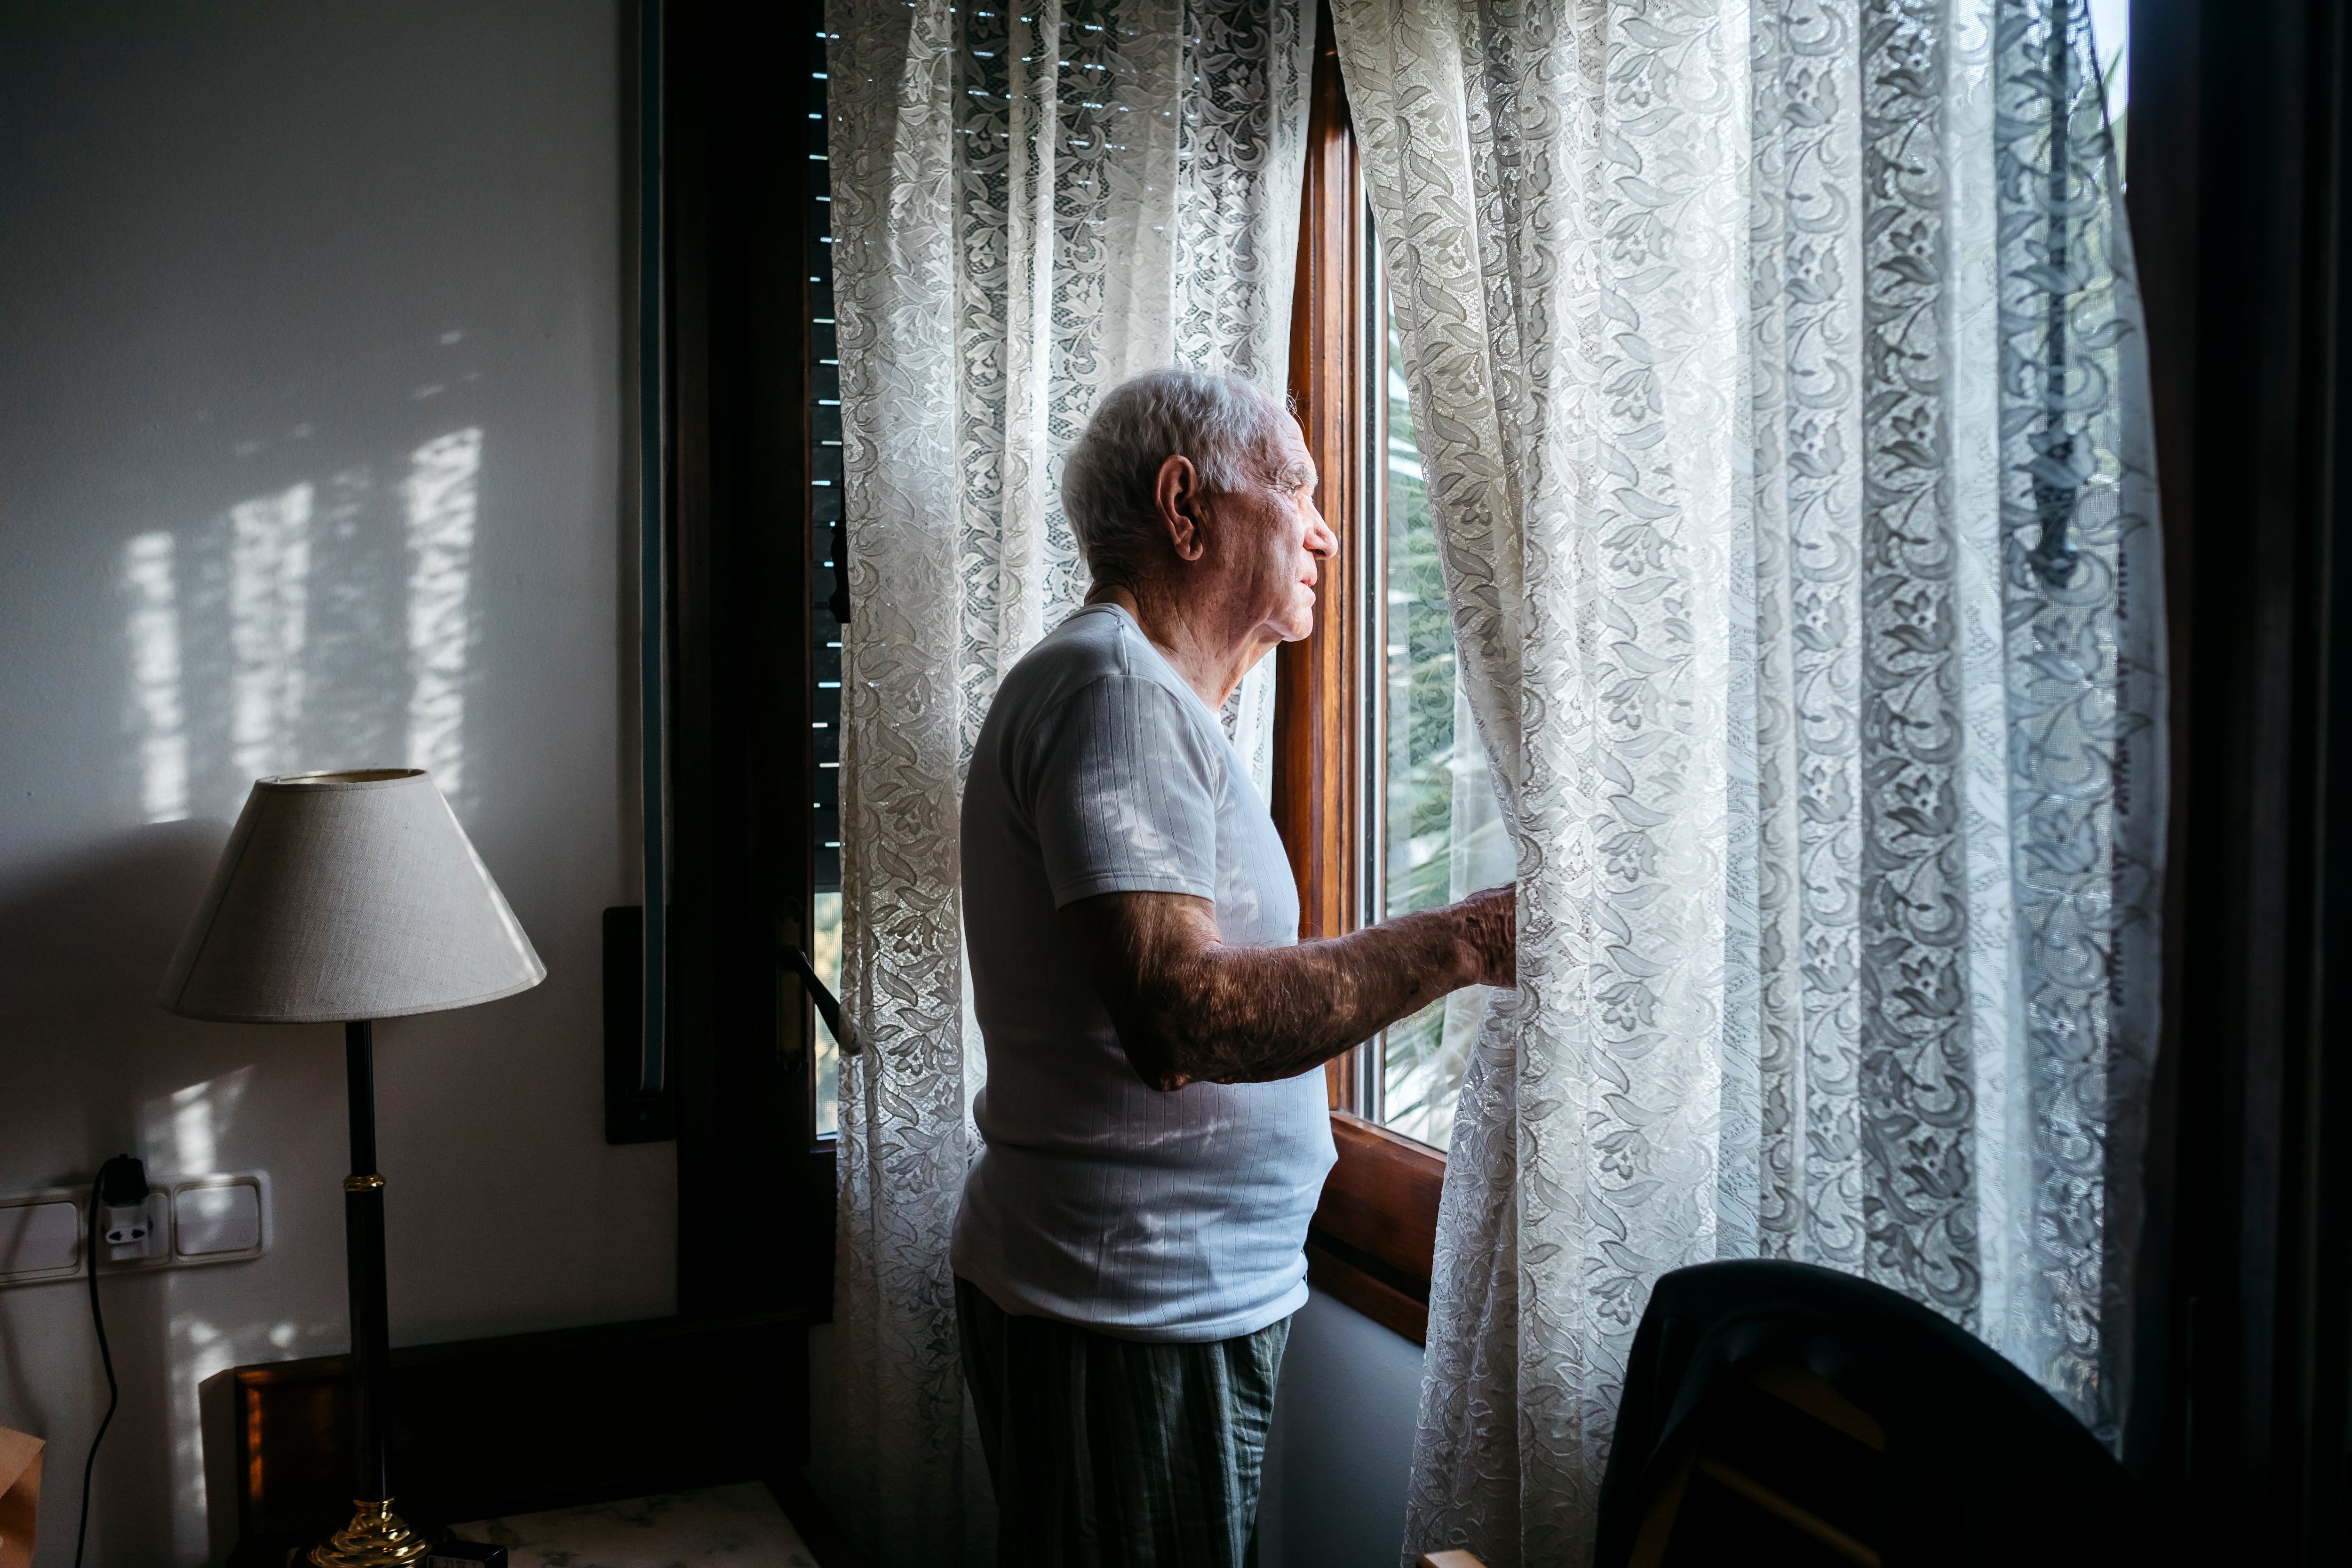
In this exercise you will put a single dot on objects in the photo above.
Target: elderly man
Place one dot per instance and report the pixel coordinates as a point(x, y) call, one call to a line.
point(1129, 1251)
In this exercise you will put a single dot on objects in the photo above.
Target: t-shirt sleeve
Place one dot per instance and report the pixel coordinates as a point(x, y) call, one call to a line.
point(1123, 791)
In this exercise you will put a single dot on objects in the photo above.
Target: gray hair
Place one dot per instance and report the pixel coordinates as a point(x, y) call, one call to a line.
point(1225, 424)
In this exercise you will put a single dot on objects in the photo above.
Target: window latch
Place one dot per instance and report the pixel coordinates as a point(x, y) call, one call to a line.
point(828, 1006)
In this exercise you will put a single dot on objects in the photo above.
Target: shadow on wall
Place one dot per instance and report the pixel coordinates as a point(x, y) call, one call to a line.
point(326, 620)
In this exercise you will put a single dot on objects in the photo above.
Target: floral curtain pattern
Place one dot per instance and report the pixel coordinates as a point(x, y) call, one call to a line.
point(1777, 370)
point(1030, 204)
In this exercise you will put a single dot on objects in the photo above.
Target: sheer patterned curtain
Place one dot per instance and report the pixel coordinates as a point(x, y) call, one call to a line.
point(1030, 203)
point(1777, 369)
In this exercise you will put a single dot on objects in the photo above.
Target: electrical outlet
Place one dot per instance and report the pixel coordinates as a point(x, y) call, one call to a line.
point(40, 1238)
point(219, 1219)
point(186, 1222)
point(133, 1231)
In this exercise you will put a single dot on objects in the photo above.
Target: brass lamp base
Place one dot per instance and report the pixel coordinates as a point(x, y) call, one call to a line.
point(375, 1538)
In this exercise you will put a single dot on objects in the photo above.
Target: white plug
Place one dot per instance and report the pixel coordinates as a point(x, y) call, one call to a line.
point(134, 1220)
point(126, 1223)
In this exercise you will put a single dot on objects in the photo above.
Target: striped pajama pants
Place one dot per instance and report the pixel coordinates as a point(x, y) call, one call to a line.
point(1110, 1453)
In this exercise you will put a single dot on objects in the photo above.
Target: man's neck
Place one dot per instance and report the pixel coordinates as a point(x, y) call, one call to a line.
point(1212, 659)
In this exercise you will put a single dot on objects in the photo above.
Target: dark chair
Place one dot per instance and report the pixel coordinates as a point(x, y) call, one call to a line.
point(1780, 1414)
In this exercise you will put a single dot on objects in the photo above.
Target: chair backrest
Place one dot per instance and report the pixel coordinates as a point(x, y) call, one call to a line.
point(1780, 1414)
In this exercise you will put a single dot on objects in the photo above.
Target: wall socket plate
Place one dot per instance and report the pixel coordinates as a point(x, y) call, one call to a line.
point(193, 1221)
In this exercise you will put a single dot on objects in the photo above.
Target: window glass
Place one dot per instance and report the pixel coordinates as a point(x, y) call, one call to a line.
point(1441, 833)
point(1417, 808)
point(2111, 39)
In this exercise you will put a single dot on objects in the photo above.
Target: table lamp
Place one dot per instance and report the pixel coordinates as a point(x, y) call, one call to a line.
point(346, 898)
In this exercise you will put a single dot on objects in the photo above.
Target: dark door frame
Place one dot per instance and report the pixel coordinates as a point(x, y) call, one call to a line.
point(755, 1187)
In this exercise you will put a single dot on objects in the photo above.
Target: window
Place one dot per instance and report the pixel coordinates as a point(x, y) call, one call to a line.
point(1367, 767)
point(1381, 789)
point(1438, 835)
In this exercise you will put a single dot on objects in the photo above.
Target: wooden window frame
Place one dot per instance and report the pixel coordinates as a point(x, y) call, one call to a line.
point(1375, 1231)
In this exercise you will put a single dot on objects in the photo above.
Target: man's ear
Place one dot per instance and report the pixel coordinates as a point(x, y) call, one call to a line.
point(1178, 493)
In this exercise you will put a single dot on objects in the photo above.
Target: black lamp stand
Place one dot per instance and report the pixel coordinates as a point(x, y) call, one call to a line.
point(375, 1538)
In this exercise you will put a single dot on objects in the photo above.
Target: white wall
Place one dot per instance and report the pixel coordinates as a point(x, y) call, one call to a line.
point(1340, 1453)
point(311, 377)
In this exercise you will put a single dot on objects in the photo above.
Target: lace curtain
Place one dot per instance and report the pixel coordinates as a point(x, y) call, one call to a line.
point(1777, 369)
point(1030, 203)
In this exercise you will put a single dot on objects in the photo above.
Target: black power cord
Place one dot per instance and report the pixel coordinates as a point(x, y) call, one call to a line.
point(121, 1185)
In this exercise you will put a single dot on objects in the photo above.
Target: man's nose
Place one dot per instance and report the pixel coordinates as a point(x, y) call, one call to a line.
point(1321, 538)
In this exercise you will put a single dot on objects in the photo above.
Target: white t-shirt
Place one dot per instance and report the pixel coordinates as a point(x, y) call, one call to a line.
point(1099, 1200)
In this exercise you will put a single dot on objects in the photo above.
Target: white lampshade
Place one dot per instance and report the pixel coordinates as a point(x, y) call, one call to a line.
point(346, 896)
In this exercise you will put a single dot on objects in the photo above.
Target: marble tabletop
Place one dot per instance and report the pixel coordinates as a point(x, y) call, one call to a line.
point(724, 1527)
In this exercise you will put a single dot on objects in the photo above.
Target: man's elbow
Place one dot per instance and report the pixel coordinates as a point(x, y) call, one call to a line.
point(1156, 1058)
point(1159, 1074)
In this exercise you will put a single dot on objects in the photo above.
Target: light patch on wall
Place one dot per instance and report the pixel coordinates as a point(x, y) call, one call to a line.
point(158, 713)
point(326, 624)
point(183, 1130)
point(268, 597)
point(199, 1346)
point(198, 1350)
point(184, 1134)
point(441, 491)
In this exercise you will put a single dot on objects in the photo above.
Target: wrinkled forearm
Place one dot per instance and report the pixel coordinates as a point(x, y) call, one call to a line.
point(1190, 1008)
point(1252, 1015)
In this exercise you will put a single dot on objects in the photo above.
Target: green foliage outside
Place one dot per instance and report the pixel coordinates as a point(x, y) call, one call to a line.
point(1417, 837)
